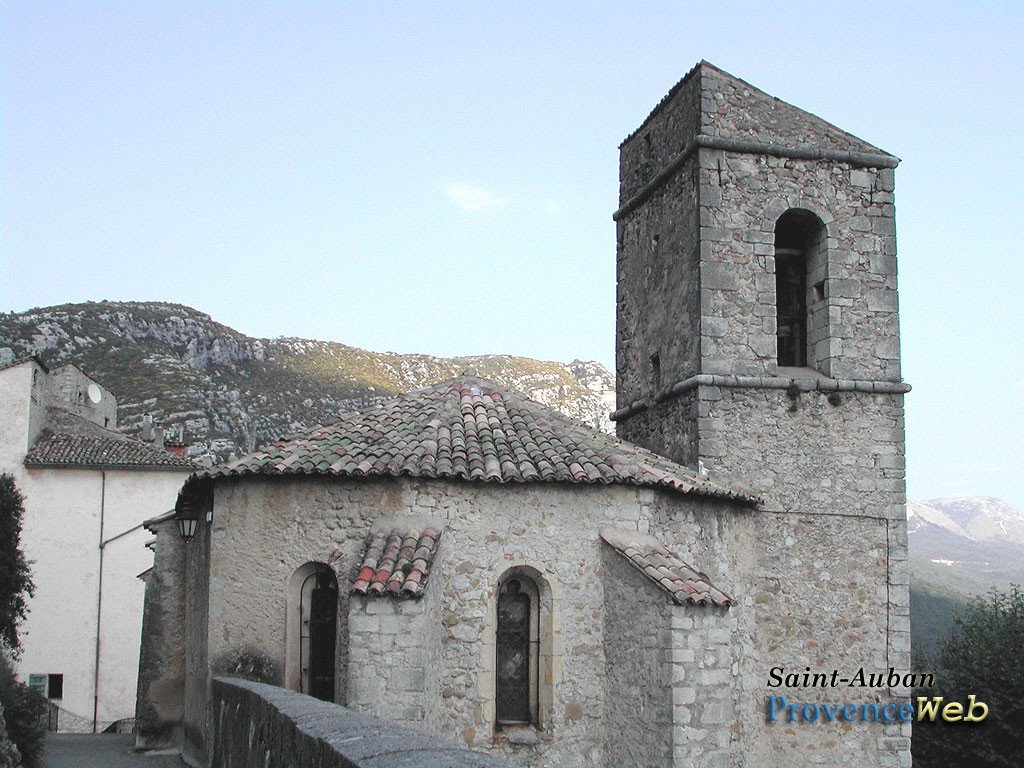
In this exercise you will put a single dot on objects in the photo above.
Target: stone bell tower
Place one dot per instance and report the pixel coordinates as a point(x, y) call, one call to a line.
point(758, 334)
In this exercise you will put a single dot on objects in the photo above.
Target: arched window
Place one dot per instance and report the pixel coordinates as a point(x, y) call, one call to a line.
point(517, 650)
point(801, 320)
point(311, 633)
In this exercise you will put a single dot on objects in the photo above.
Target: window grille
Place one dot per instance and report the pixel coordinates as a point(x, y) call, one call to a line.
point(517, 651)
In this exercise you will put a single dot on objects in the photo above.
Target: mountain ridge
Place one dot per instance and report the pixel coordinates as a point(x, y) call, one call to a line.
point(960, 548)
point(232, 393)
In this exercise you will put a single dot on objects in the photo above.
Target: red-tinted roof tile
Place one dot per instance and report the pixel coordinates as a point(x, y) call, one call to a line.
point(663, 568)
point(56, 449)
point(397, 562)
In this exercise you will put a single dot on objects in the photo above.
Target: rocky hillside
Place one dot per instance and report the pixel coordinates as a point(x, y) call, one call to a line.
point(231, 393)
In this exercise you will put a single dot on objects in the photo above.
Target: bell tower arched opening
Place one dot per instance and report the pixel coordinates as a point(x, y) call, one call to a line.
point(801, 329)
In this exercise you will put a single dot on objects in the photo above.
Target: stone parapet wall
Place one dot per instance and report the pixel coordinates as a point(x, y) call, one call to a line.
point(263, 726)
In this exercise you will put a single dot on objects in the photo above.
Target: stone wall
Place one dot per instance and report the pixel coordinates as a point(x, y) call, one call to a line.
point(197, 642)
point(828, 453)
point(662, 136)
point(813, 590)
point(741, 198)
point(734, 109)
point(669, 429)
point(658, 305)
point(161, 690)
point(696, 250)
point(657, 253)
point(68, 390)
point(822, 599)
point(263, 529)
point(262, 726)
point(705, 670)
point(823, 580)
point(394, 658)
point(638, 663)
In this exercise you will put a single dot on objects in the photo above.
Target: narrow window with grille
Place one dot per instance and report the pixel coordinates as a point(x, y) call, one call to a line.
point(517, 644)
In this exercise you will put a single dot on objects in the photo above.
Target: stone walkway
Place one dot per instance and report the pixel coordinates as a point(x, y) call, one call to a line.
point(73, 750)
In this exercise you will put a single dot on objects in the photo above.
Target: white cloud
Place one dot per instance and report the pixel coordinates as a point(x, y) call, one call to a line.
point(474, 199)
point(547, 205)
point(471, 199)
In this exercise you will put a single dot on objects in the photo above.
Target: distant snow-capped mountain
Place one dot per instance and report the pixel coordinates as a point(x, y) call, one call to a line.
point(976, 542)
point(959, 549)
point(978, 519)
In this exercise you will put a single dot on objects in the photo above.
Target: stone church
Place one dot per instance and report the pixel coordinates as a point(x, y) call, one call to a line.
point(469, 563)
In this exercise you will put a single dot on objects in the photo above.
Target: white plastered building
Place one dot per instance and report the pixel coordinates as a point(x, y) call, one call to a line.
point(87, 490)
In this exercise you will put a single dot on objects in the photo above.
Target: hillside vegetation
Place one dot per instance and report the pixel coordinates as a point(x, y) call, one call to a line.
point(231, 393)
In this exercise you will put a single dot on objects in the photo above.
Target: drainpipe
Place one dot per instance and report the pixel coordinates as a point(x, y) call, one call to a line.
point(99, 609)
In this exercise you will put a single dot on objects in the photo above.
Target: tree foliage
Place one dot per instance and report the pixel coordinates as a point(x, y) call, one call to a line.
point(984, 657)
point(24, 715)
point(15, 579)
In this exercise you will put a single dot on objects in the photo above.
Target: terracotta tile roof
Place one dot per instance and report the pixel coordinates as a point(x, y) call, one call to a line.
point(57, 449)
point(397, 562)
point(471, 429)
point(665, 569)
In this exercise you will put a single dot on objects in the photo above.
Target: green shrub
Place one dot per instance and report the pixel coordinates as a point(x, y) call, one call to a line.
point(24, 713)
point(15, 581)
point(248, 664)
point(983, 657)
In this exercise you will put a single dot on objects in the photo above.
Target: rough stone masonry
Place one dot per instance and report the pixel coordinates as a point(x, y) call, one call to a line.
point(647, 593)
point(704, 183)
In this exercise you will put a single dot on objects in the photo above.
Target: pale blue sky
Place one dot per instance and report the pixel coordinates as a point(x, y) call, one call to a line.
point(429, 177)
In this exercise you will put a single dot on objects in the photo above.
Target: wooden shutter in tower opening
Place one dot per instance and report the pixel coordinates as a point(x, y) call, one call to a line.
point(791, 305)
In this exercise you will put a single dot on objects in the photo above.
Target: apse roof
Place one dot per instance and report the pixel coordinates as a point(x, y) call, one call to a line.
point(471, 429)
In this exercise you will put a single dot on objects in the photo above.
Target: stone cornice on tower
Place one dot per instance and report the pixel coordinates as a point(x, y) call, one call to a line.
point(757, 124)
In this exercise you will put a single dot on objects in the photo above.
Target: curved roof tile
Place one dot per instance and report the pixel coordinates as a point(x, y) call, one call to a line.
point(471, 429)
point(682, 582)
point(58, 449)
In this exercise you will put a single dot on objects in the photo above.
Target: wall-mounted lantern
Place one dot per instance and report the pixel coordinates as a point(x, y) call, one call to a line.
point(194, 505)
point(187, 527)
